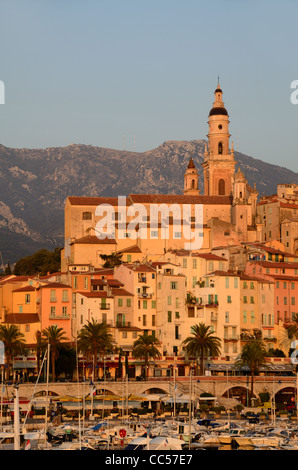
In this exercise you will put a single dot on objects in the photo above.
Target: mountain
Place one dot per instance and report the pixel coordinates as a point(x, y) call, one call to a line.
point(34, 184)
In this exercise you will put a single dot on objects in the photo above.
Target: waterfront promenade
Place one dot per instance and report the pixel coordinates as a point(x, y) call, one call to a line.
point(216, 386)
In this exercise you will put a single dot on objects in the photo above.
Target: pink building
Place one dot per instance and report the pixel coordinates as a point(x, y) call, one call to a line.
point(285, 277)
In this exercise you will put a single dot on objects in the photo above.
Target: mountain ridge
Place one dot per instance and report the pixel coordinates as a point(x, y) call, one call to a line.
point(34, 184)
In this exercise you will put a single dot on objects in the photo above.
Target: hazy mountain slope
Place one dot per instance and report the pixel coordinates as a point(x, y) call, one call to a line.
point(34, 184)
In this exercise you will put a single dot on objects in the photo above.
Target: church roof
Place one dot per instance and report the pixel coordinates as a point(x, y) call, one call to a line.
point(218, 111)
point(191, 163)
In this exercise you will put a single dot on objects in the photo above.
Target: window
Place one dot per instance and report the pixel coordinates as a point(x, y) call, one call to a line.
point(87, 216)
point(285, 300)
point(244, 316)
point(85, 282)
point(64, 311)
point(128, 302)
point(277, 284)
point(20, 308)
point(245, 299)
point(65, 295)
point(236, 282)
point(53, 311)
point(129, 258)
point(153, 320)
point(292, 285)
point(153, 303)
point(210, 265)
point(169, 300)
point(174, 285)
point(194, 263)
point(27, 298)
point(252, 316)
point(252, 300)
point(293, 301)
point(229, 299)
point(124, 334)
point(169, 316)
point(75, 282)
point(185, 262)
point(227, 317)
point(120, 302)
point(227, 281)
point(145, 304)
point(53, 297)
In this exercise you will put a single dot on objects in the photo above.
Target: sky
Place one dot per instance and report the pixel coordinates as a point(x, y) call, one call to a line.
point(131, 74)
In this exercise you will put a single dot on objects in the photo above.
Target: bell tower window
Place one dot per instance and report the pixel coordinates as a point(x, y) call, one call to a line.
point(220, 148)
point(221, 187)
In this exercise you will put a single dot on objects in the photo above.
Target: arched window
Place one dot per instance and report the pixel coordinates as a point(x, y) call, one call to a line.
point(221, 187)
point(220, 149)
point(193, 184)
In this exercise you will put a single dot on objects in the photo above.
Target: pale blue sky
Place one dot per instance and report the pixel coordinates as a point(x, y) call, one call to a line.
point(98, 72)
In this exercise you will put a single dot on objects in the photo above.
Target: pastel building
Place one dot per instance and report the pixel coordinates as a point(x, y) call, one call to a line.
point(140, 280)
point(55, 306)
point(217, 303)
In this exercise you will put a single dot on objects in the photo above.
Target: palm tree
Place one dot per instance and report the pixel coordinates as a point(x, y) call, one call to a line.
point(202, 343)
point(146, 347)
point(253, 355)
point(95, 338)
point(53, 336)
point(13, 341)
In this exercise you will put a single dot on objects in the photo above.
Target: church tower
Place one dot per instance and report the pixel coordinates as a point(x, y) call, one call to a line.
point(191, 180)
point(219, 162)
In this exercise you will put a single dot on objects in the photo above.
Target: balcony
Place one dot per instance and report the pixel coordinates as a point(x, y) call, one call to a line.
point(104, 306)
point(144, 295)
point(231, 338)
point(121, 324)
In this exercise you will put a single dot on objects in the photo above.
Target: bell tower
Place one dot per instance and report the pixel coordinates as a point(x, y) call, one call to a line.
point(219, 162)
point(191, 180)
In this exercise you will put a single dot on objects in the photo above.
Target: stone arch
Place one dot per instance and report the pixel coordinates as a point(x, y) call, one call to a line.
point(285, 397)
point(241, 393)
point(155, 390)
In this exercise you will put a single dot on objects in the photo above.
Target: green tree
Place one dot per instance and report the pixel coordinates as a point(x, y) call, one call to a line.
point(55, 337)
point(112, 260)
point(253, 356)
point(41, 262)
point(146, 347)
point(14, 343)
point(202, 343)
point(95, 338)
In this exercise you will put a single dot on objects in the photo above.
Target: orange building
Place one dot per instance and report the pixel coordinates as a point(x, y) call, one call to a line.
point(55, 305)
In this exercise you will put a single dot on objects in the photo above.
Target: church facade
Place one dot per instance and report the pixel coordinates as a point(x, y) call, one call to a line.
point(228, 209)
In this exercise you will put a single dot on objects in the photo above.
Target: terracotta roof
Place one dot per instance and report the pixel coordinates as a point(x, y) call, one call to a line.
point(209, 256)
point(140, 267)
point(55, 285)
point(131, 249)
point(25, 289)
point(121, 292)
point(21, 318)
point(179, 199)
point(98, 294)
point(271, 264)
point(114, 283)
point(93, 239)
point(284, 277)
point(247, 277)
point(91, 201)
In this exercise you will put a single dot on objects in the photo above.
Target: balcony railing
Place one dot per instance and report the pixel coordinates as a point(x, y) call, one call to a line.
point(104, 306)
point(144, 295)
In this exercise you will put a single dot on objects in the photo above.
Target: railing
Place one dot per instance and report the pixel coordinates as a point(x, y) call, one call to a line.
point(104, 306)
point(144, 295)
